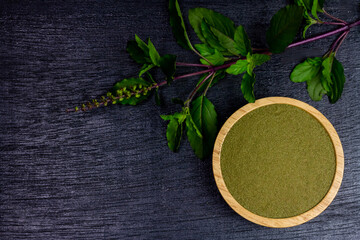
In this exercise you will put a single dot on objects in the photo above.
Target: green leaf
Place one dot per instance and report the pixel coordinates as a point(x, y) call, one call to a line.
point(315, 88)
point(220, 74)
point(242, 42)
point(146, 67)
point(193, 125)
point(136, 53)
point(214, 19)
point(308, 4)
point(194, 139)
point(178, 25)
point(327, 64)
point(211, 39)
point(174, 129)
point(314, 9)
point(247, 87)
point(333, 78)
point(306, 70)
point(260, 59)
point(204, 116)
point(129, 84)
point(204, 49)
point(226, 42)
point(181, 116)
point(338, 81)
point(173, 134)
point(154, 55)
point(309, 23)
point(168, 66)
point(216, 59)
point(142, 45)
point(284, 26)
point(251, 64)
point(238, 68)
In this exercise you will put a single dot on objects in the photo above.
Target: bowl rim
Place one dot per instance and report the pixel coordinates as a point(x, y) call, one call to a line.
point(278, 222)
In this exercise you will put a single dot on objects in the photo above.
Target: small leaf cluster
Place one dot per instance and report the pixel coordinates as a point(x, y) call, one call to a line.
point(147, 55)
point(312, 8)
point(322, 75)
point(200, 124)
point(247, 66)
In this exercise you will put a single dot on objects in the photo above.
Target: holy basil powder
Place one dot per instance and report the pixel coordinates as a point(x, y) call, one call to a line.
point(278, 161)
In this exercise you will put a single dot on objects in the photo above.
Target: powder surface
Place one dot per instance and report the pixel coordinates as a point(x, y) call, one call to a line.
point(278, 161)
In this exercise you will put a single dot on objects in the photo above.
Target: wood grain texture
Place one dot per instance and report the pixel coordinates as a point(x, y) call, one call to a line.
point(278, 222)
point(108, 174)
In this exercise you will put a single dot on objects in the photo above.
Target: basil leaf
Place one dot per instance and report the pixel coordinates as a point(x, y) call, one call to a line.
point(242, 42)
point(327, 64)
point(216, 59)
point(260, 59)
point(314, 9)
point(239, 67)
point(251, 64)
point(306, 70)
point(247, 87)
point(313, 6)
point(193, 125)
point(168, 66)
point(284, 26)
point(178, 25)
point(309, 23)
point(226, 42)
point(174, 129)
point(154, 55)
point(136, 53)
point(129, 84)
point(214, 19)
point(338, 81)
point(220, 74)
point(178, 115)
point(204, 116)
point(194, 139)
point(142, 45)
point(211, 39)
point(317, 7)
point(315, 88)
point(204, 49)
point(146, 67)
point(173, 134)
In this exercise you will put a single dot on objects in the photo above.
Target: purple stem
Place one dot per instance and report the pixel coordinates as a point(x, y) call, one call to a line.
point(345, 28)
point(337, 40)
point(333, 23)
point(191, 65)
point(342, 40)
point(319, 37)
point(192, 94)
point(332, 17)
point(193, 74)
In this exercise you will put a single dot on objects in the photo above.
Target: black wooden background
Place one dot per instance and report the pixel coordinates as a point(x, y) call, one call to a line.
point(108, 174)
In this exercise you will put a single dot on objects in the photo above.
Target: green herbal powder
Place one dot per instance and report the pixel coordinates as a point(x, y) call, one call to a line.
point(278, 161)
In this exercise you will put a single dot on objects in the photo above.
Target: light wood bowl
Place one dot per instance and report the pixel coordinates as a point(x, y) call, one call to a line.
point(278, 222)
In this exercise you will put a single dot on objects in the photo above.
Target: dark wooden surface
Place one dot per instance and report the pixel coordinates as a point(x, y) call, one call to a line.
point(108, 174)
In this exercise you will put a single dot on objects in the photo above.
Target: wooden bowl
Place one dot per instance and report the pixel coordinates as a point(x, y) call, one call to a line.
point(278, 222)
